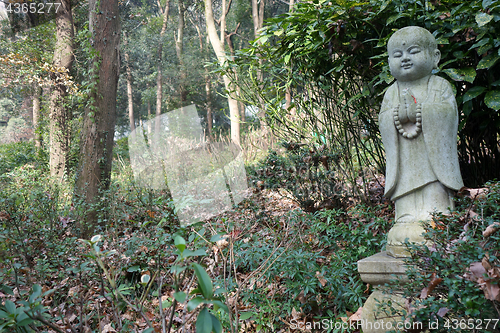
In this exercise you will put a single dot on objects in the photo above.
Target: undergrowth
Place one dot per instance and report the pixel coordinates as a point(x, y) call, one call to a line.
point(264, 266)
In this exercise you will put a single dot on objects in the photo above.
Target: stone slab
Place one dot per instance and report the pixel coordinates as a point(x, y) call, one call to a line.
point(379, 317)
point(381, 268)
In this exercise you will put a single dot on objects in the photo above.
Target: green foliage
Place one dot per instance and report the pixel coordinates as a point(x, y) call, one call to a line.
point(469, 45)
point(315, 84)
point(17, 154)
point(19, 317)
point(313, 266)
point(204, 294)
point(305, 173)
point(328, 60)
point(451, 269)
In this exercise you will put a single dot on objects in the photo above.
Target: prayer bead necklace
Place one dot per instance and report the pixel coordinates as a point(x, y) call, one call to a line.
point(418, 124)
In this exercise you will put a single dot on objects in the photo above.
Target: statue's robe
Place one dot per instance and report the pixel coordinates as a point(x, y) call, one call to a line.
point(432, 155)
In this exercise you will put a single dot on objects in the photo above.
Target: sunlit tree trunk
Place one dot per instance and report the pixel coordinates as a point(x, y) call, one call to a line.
point(96, 151)
point(59, 114)
point(230, 44)
point(208, 92)
point(159, 78)
point(218, 46)
point(37, 92)
point(288, 91)
point(129, 83)
point(179, 48)
point(208, 84)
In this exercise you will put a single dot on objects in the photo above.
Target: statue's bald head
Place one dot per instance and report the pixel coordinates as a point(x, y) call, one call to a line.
point(413, 34)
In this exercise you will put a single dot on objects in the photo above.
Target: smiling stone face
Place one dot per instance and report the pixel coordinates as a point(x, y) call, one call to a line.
point(413, 54)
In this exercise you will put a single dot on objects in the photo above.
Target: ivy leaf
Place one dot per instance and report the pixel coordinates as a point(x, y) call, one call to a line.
point(204, 322)
point(204, 281)
point(217, 328)
point(10, 306)
point(180, 243)
point(487, 3)
point(466, 74)
point(180, 296)
point(245, 315)
point(473, 93)
point(488, 61)
point(483, 18)
point(492, 99)
point(37, 291)
point(443, 40)
point(193, 303)
point(394, 18)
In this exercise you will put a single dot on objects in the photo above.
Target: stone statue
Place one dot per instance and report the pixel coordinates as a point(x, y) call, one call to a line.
point(418, 122)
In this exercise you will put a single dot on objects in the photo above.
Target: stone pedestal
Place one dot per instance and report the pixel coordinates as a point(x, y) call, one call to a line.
point(377, 270)
point(411, 231)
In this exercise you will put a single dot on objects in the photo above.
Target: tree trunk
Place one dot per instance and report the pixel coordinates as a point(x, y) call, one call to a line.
point(94, 170)
point(208, 92)
point(179, 48)
point(230, 44)
point(159, 82)
point(258, 23)
point(208, 85)
point(129, 83)
point(217, 45)
point(149, 110)
point(36, 116)
point(59, 114)
point(258, 16)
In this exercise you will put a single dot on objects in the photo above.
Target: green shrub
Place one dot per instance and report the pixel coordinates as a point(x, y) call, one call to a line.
point(328, 61)
point(306, 173)
point(17, 154)
point(461, 270)
point(308, 265)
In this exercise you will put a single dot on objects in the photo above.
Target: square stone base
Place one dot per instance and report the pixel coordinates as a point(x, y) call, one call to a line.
point(381, 268)
point(377, 270)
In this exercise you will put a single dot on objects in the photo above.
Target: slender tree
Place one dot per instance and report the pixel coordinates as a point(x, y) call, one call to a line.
point(128, 70)
point(59, 114)
point(96, 150)
point(159, 79)
point(36, 115)
point(206, 74)
point(179, 48)
point(218, 46)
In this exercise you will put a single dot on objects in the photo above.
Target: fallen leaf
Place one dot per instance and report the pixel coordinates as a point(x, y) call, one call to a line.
point(73, 291)
point(302, 299)
point(355, 317)
point(296, 314)
point(442, 312)
point(150, 316)
point(486, 263)
point(108, 328)
point(222, 244)
point(477, 269)
point(474, 193)
point(437, 225)
point(491, 290)
point(321, 279)
point(435, 281)
point(128, 316)
point(491, 229)
point(71, 317)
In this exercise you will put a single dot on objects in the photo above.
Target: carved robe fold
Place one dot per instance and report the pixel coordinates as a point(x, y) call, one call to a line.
point(432, 155)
